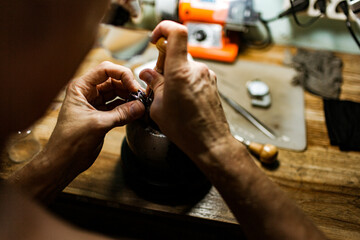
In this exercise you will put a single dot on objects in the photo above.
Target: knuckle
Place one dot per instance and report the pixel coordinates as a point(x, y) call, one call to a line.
point(202, 80)
point(122, 115)
point(203, 70)
point(203, 67)
point(127, 71)
point(70, 86)
point(97, 122)
point(213, 76)
point(183, 73)
point(182, 31)
point(166, 23)
point(105, 64)
point(174, 25)
point(155, 85)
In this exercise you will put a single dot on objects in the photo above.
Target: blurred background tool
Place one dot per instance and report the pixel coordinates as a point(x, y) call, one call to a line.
point(213, 26)
point(355, 8)
point(218, 27)
point(267, 153)
point(259, 125)
point(210, 24)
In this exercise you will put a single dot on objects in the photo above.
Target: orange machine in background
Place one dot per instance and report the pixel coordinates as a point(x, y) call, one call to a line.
point(208, 22)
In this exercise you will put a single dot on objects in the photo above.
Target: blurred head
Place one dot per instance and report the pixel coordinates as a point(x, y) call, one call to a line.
point(42, 43)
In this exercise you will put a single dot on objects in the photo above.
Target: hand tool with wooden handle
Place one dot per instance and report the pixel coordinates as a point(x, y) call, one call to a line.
point(267, 153)
point(161, 46)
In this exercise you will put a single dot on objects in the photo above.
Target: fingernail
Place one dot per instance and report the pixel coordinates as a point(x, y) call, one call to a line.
point(147, 77)
point(151, 36)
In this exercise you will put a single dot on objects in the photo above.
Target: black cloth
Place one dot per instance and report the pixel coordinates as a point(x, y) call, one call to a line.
point(343, 124)
point(319, 72)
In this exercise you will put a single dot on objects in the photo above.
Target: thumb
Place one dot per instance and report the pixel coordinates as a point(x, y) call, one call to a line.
point(123, 114)
point(152, 78)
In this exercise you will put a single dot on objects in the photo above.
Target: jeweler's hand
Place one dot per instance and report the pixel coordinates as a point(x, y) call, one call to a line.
point(186, 104)
point(84, 119)
point(85, 116)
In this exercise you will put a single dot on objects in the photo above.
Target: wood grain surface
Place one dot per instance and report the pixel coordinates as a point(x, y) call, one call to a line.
point(324, 181)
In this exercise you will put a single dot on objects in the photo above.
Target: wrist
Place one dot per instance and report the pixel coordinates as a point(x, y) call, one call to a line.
point(225, 153)
point(64, 154)
point(48, 173)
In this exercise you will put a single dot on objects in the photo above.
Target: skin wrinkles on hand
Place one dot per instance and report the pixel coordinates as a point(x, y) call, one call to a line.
point(186, 95)
point(186, 107)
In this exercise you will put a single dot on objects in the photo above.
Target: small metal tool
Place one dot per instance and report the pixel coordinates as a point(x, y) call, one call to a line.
point(259, 125)
point(142, 97)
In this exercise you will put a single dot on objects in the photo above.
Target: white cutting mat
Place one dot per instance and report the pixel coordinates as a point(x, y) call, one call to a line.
point(285, 116)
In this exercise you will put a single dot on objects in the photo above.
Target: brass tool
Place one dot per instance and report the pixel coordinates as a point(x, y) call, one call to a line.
point(161, 46)
point(259, 125)
point(267, 153)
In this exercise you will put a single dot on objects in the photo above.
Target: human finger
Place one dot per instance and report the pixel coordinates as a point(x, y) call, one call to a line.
point(152, 78)
point(176, 35)
point(120, 87)
point(108, 92)
point(213, 77)
point(122, 114)
point(113, 89)
point(107, 70)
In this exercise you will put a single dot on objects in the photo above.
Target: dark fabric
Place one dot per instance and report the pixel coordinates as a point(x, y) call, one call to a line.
point(343, 124)
point(319, 72)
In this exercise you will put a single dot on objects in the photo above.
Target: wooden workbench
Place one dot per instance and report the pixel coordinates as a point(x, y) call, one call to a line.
point(324, 181)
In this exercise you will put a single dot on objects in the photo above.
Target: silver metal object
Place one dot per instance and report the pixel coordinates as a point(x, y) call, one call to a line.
point(259, 92)
point(242, 140)
point(204, 34)
point(259, 125)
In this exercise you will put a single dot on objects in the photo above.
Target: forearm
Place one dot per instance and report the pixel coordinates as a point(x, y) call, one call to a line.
point(260, 207)
point(48, 173)
point(80, 130)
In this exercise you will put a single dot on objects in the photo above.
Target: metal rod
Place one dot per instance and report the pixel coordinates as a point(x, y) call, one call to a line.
point(259, 125)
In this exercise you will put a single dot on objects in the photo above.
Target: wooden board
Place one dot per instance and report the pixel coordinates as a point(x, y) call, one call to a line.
point(285, 116)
